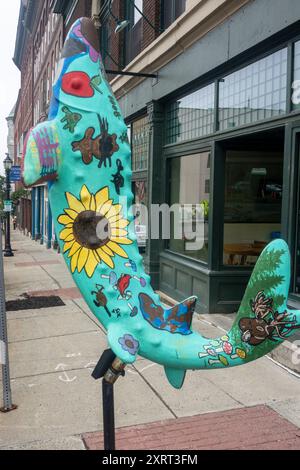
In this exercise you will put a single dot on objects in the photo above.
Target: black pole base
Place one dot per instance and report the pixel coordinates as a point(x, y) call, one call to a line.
point(108, 415)
point(104, 369)
point(7, 410)
point(8, 253)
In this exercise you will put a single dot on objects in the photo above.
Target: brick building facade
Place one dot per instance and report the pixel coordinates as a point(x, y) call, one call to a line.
point(217, 118)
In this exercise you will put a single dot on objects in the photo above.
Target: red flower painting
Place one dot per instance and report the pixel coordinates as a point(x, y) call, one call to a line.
point(77, 84)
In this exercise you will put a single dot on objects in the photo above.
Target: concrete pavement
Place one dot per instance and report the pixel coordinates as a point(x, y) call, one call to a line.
point(53, 351)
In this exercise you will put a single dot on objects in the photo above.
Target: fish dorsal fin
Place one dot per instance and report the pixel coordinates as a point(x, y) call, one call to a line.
point(176, 319)
point(175, 376)
point(179, 318)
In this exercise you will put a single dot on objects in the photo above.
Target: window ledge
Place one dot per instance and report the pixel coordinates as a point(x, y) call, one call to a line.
point(193, 24)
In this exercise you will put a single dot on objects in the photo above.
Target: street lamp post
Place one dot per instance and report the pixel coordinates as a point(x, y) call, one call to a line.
point(7, 166)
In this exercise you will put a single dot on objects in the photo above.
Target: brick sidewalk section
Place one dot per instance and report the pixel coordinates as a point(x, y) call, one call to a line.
point(67, 293)
point(257, 427)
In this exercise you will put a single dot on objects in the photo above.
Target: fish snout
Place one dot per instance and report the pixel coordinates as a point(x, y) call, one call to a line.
point(89, 32)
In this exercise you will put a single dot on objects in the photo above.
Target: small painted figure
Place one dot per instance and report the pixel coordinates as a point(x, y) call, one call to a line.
point(101, 147)
point(124, 138)
point(71, 119)
point(107, 143)
point(267, 324)
point(122, 286)
point(118, 179)
point(101, 300)
point(114, 107)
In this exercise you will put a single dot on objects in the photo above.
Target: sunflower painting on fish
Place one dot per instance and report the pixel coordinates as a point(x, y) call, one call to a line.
point(84, 154)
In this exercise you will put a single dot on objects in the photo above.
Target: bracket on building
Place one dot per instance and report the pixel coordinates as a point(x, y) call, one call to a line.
point(131, 74)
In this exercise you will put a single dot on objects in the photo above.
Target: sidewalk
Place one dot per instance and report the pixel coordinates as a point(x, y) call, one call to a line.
point(53, 351)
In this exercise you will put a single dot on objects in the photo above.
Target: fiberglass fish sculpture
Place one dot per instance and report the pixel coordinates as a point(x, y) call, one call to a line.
point(82, 150)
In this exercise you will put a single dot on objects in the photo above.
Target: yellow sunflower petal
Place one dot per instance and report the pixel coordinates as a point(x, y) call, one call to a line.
point(67, 246)
point(105, 258)
point(115, 218)
point(121, 223)
point(107, 250)
point(121, 240)
point(65, 219)
point(82, 259)
point(93, 203)
point(91, 264)
point(71, 213)
point(101, 197)
point(74, 249)
point(74, 204)
point(117, 249)
point(118, 233)
point(65, 233)
point(74, 260)
point(69, 238)
point(105, 207)
point(114, 210)
point(85, 197)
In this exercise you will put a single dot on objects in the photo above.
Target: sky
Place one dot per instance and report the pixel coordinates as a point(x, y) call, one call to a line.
point(9, 74)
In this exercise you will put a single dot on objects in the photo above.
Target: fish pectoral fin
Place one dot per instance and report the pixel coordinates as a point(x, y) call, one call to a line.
point(123, 343)
point(42, 150)
point(175, 376)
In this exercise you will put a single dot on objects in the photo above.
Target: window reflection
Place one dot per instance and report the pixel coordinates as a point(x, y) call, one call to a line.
point(191, 116)
point(189, 185)
point(140, 144)
point(252, 211)
point(255, 92)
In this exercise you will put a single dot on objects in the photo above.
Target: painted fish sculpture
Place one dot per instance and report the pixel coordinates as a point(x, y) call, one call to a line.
point(83, 152)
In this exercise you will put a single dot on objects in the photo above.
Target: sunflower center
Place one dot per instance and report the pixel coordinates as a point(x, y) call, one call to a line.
point(91, 230)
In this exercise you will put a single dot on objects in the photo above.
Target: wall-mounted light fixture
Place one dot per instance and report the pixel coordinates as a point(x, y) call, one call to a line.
point(121, 24)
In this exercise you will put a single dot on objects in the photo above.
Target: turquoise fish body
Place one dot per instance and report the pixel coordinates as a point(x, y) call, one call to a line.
point(84, 154)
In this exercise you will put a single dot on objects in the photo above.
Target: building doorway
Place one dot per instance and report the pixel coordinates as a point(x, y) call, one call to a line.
point(253, 187)
point(296, 223)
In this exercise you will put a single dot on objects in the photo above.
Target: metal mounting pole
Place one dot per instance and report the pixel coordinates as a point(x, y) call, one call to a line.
point(110, 368)
point(7, 400)
point(8, 251)
point(108, 415)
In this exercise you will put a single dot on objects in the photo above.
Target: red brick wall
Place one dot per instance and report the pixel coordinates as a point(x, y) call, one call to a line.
point(83, 8)
point(116, 41)
point(151, 9)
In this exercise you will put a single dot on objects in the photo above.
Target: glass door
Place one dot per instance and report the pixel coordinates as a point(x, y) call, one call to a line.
point(296, 286)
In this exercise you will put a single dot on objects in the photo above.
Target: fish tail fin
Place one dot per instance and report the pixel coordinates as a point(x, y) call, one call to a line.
point(264, 320)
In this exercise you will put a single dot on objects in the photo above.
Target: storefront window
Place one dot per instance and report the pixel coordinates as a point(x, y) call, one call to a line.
point(171, 10)
point(139, 189)
point(296, 93)
point(140, 144)
point(190, 117)
point(252, 212)
point(189, 187)
point(255, 92)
